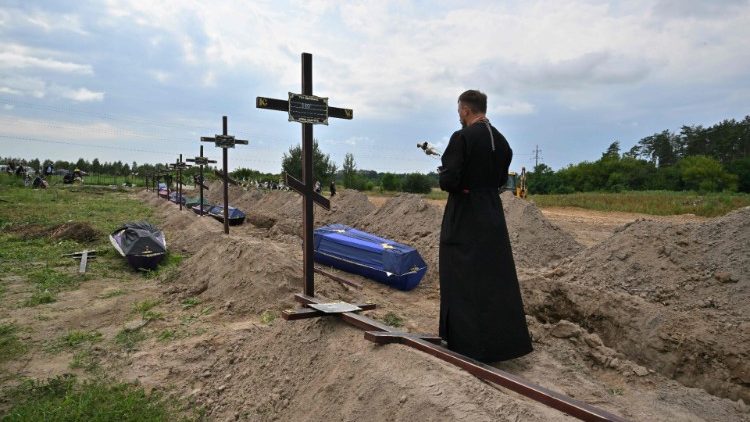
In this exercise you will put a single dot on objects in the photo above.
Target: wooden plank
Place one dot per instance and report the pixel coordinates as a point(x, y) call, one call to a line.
point(84, 262)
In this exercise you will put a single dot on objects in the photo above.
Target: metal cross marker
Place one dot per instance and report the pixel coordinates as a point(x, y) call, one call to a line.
point(201, 161)
point(307, 109)
point(179, 166)
point(225, 141)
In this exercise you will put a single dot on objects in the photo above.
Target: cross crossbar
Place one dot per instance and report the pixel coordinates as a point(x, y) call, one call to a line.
point(307, 109)
point(201, 161)
point(302, 189)
point(224, 141)
point(283, 105)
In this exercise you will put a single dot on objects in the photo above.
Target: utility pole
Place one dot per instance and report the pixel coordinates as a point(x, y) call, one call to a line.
point(536, 156)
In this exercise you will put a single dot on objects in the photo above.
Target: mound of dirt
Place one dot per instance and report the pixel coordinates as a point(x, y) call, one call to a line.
point(536, 241)
point(80, 232)
point(322, 370)
point(28, 231)
point(673, 297)
point(263, 274)
point(238, 368)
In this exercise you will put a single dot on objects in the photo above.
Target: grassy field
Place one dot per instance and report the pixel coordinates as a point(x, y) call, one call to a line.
point(643, 202)
point(33, 238)
point(649, 202)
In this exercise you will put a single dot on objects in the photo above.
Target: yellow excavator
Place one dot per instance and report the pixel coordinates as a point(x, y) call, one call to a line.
point(517, 183)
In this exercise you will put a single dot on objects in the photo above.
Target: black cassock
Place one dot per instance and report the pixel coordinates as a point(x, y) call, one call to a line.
point(481, 310)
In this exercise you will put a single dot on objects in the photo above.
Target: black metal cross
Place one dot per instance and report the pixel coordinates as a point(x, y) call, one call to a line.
point(307, 109)
point(225, 141)
point(179, 166)
point(201, 161)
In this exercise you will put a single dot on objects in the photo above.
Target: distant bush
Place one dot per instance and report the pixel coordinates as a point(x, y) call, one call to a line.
point(705, 174)
point(417, 183)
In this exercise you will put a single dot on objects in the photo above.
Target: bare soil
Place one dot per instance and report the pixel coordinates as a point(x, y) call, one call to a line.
point(619, 313)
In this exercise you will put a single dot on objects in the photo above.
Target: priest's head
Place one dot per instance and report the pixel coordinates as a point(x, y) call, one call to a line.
point(472, 105)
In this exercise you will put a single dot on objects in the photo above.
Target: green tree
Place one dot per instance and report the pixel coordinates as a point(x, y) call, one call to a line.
point(82, 164)
point(741, 168)
point(613, 151)
point(96, 166)
point(661, 148)
point(349, 170)
point(542, 180)
point(36, 165)
point(390, 182)
point(417, 183)
point(323, 168)
point(704, 173)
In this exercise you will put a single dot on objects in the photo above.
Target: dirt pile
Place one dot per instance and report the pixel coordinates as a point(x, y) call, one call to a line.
point(243, 366)
point(684, 266)
point(536, 241)
point(263, 274)
point(80, 232)
point(322, 370)
point(673, 297)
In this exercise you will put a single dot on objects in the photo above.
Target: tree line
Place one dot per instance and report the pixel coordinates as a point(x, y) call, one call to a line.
point(715, 158)
point(350, 177)
point(708, 159)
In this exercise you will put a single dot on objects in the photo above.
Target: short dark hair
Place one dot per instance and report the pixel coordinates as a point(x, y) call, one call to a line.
point(475, 100)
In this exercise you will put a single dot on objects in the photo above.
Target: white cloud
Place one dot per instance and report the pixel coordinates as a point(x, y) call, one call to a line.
point(513, 108)
point(78, 95)
point(56, 22)
point(17, 56)
point(39, 88)
point(55, 129)
point(23, 86)
point(8, 107)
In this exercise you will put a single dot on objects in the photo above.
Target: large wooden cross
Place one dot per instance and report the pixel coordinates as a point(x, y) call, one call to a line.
point(179, 166)
point(225, 141)
point(201, 161)
point(307, 109)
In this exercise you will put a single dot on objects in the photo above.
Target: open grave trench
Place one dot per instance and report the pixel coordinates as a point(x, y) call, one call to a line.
point(656, 303)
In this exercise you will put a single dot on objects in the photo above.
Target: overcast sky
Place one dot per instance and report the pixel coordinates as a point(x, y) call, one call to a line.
point(143, 80)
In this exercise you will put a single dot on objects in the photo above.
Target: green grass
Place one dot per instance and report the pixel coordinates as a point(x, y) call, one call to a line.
point(437, 193)
point(267, 317)
point(113, 293)
point(168, 269)
point(10, 346)
point(129, 340)
point(39, 258)
point(649, 202)
point(393, 320)
point(84, 360)
point(66, 399)
point(190, 302)
point(75, 338)
point(48, 282)
point(42, 297)
point(145, 306)
point(167, 335)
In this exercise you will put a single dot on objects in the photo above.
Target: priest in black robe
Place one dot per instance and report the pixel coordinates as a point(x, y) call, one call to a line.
point(481, 310)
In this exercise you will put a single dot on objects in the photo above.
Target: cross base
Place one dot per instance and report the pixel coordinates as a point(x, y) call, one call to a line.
point(308, 312)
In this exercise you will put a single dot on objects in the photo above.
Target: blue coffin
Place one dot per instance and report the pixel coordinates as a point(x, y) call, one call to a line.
point(175, 197)
point(355, 251)
point(236, 216)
